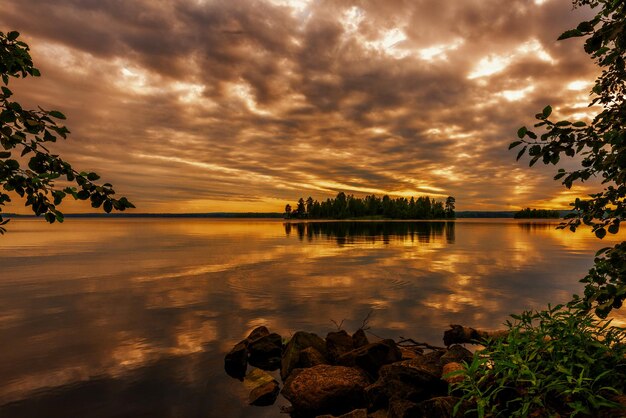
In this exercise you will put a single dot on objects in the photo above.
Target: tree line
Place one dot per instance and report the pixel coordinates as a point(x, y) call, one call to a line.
point(529, 213)
point(349, 207)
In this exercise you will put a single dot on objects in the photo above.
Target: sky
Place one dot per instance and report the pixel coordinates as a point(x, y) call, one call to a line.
point(244, 105)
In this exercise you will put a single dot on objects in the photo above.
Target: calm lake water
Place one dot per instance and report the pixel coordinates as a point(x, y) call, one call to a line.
point(132, 317)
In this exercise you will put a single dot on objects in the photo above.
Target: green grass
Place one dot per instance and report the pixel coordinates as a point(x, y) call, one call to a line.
point(557, 362)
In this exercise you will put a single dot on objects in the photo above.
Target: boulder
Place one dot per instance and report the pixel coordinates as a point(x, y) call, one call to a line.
point(359, 339)
point(236, 361)
point(325, 389)
point(310, 357)
point(357, 413)
point(265, 352)
point(450, 368)
point(257, 333)
point(410, 380)
point(401, 408)
point(457, 354)
point(439, 407)
point(264, 395)
point(263, 387)
point(372, 357)
point(430, 362)
point(409, 353)
point(291, 354)
point(337, 344)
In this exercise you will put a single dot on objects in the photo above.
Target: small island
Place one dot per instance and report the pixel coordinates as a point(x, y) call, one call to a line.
point(372, 207)
point(537, 214)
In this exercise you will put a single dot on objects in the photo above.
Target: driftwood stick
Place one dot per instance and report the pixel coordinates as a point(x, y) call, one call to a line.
point(458, 334)
point(410, 342)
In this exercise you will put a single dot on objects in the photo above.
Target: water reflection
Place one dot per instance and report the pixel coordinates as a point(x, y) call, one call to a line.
point(132, 317)
point(372, 231)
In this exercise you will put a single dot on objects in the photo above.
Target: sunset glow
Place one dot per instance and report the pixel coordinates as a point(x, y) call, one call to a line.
point(206, 106)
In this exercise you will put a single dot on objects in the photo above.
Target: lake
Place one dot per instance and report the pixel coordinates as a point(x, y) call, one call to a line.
point(132, 317)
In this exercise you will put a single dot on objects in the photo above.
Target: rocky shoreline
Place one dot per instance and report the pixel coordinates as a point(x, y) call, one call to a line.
point(348, 376)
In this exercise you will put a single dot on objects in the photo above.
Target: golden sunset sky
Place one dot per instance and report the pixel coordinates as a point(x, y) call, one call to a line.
point(243, 105)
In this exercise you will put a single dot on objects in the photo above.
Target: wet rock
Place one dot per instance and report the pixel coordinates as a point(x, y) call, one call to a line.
point(257, 333)
point(359, 339)
point(325, 389)
point(414, 380)
point(357, 413)
point(450, 368)
point(409, 353)
point(457, 354)
point(440, 407)
point(263, 387)
point(337, 344)
point(381, 413)
point(236, 361)
point(310, 357)
point(291, 354)
point(265, 352)
point(430, 361)
point(372, 357)
point(401, 408)
point(264, 395)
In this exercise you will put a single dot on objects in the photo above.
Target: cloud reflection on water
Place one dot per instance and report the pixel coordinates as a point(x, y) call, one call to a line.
point(142, 303)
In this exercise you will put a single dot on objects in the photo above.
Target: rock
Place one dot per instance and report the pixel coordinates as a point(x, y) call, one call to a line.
point(453, 367)
point(257, 333)
point(265, 352)
point(440, 407)
point(299, 342)
point(411, 380)
point(263, 387)
point(372, 357)
point(310, 357)
point(381, 413)
point(264, 395)
point(236, 361)
point(359, 339)
point(409, 353)
point(337, 344)
point(430, 361)
point(325, 389)
point(357, 413)
point(401, 408)
point(457, 354)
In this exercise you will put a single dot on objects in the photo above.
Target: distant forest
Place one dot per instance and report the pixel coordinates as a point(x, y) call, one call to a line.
point(371, 207)
point(537, 214)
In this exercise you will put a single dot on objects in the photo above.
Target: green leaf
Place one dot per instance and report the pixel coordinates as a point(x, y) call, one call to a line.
point(6, 92)
point(13, 35)
point(92, 176)
point(514, 144)
point(547, 111)
point(572, 33)
point(521, 132)
point(56, 114)
point(579, 124)
point(5, 154)
point(613, 228)
point(600, 233)
point(519, 154)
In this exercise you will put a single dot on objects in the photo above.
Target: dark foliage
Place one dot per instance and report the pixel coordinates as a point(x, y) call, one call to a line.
point(350, 207)
point(600, 146)
point(537, 214)
point(24, 136)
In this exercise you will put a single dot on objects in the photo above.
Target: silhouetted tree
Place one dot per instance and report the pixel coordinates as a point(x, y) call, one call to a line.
point(599, 146)
point(347, 206)
point(288, 211)
point(27, 133)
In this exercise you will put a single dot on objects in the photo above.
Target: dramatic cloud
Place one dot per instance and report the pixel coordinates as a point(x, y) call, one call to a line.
point(202, 105)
